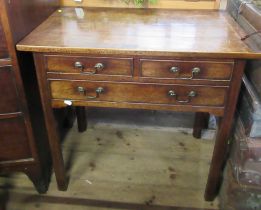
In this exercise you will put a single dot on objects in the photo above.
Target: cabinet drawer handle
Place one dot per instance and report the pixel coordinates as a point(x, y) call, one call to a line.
point(174, 69)
point(97, 67)
point(194, 71)
point(191, 95)
point(79, 65)
point(83, 91)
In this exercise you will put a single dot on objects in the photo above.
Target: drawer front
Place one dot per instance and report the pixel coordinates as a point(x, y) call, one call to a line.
point(3, 45)
point(191, 70)
point(139, 93)
point(14, 144)
point(90, 65)
point(8, 93)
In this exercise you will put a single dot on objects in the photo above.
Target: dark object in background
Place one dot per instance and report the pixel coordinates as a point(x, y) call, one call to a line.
point(23, 139)
point(242, 181)
point(235, 196)
point(246, 154)
point(245, 157)
point(248, 16)
point(249, 108)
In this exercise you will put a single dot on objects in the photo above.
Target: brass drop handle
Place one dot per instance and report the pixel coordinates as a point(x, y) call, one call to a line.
point(194, 71)
point(79, 65)
point(172, 93)
point(191, 95)
point(81, 90)
point(98, 91)
point(97, 67)
point(174, 69)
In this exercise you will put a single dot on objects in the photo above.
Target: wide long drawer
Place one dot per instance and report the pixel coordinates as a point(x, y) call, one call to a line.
point(138, 93)
point(191, 70)
point(8, 92)
point(89, 65)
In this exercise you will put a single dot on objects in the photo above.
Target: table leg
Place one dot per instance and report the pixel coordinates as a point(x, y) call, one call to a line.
point(218, 159)
point(200, 123)
point(81, 118)
point(55, 147)
point(69, 118)
point(51, 124)
point(225, 124)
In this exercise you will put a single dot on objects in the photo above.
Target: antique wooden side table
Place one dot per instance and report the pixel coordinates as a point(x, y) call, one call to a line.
point(140, 59)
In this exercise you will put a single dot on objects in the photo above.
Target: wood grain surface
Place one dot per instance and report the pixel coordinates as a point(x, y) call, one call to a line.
point(111, 66)
point(3, 45)
point(139, 93)
point(14, 140)
point(183, 69)
point(139, 32)
point(8, 91)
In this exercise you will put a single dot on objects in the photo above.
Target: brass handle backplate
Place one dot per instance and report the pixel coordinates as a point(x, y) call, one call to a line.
point(194, 72)
point(191, 95)
point(79, 65)
point(83, 91)
point(97, 67)
point(174, 69)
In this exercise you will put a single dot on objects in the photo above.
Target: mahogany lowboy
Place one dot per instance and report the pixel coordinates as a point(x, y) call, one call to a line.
point(141, 59)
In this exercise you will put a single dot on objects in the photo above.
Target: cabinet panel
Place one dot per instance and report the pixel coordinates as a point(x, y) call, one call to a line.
point(3, 45)
point(14, 144)
point(8, 93)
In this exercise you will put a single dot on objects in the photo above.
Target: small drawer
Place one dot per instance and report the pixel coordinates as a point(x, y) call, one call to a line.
point(139, 93)
point(3, 44)
point(90, 65)
point(14, 143)
point(8, 92)
point(188, 70)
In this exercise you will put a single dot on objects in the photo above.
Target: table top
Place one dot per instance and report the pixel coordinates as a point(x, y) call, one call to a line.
point(151, 32)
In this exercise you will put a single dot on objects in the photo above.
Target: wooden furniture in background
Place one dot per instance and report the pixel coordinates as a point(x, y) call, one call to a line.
point(23, 139)
point(140, 59)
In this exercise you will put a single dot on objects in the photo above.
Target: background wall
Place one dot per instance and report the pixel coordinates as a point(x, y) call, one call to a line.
point(167, 4)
